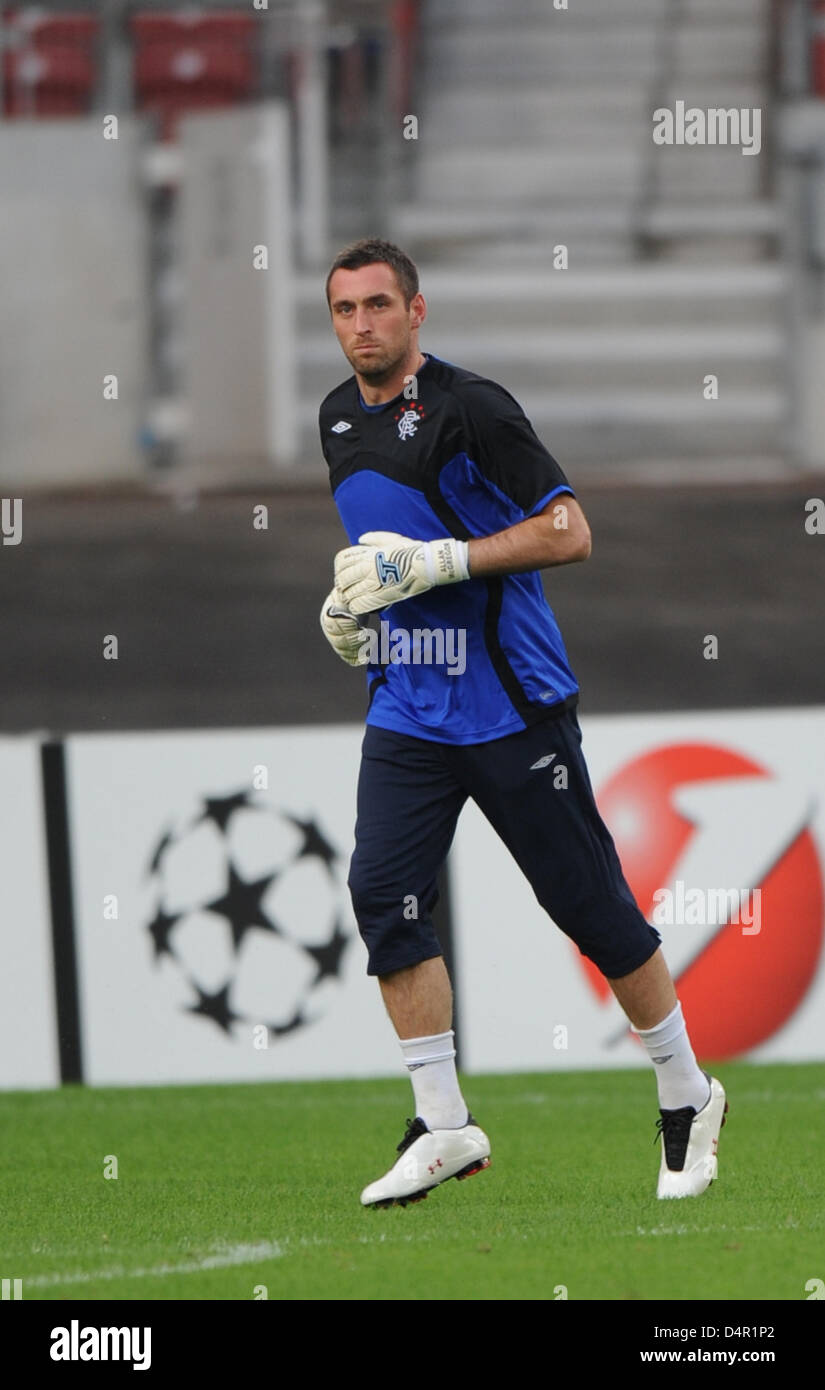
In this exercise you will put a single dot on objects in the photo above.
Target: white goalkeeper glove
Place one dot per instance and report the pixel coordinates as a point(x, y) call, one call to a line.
point(385, 568)
point(343, 632)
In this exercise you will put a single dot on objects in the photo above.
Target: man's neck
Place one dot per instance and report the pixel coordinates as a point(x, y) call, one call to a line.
point(379, 395)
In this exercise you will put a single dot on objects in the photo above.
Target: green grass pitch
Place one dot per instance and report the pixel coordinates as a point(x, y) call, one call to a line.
point(223, 1189)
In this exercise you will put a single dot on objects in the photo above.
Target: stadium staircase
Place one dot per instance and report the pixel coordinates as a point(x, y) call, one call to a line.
point(535, 132)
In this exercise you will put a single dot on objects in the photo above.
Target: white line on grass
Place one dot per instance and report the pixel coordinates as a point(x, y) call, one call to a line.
point(222, 1259)
point(708, 1230)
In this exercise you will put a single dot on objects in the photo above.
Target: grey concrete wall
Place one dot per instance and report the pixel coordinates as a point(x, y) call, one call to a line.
point(239, 356)
point(73, 302)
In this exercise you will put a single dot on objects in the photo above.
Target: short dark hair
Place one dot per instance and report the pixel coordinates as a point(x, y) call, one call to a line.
point(374, 251)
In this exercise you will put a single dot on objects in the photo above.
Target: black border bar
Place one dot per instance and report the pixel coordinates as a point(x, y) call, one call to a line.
point(67, 1000)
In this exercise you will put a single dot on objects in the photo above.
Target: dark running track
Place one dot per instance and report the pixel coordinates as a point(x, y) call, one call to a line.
point(217, 623)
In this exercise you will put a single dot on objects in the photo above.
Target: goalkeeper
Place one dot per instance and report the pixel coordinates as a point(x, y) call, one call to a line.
point(452, 507)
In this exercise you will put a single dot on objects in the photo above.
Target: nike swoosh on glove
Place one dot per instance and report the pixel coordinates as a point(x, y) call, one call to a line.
point(385, 568)
point(343, 632)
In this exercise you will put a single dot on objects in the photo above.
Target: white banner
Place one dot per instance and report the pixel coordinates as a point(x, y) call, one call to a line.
point(718, 819)
point(216, 939)
point(28, 1033)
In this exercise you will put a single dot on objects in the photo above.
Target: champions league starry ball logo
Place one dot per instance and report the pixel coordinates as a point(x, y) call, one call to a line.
point(248, 908)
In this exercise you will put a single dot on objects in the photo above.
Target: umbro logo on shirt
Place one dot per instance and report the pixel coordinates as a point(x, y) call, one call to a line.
point(542, 762)
point(341, 426)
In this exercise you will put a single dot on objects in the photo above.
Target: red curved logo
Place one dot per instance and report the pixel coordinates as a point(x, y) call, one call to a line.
point(724, 823)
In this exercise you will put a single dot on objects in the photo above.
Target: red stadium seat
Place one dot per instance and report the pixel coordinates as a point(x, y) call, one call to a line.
point(192, 61)
point(47, 82)
point(74, 28)
point(48, 62)
point(222, 27)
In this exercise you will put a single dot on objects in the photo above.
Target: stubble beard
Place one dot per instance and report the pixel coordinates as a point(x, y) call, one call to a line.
point(376, 372)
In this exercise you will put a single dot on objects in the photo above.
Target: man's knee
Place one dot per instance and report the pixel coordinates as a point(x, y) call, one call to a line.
point(609, 929)
point(373, 892)
point(393, 920)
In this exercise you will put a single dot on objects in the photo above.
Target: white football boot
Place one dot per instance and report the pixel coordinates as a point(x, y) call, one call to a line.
point(689, 1140)
point(429, 1157)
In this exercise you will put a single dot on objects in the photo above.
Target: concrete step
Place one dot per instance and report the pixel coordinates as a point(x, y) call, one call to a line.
point(691, 219)
point(590, 139)
point(544, 176)
point(639, 296)
point(553, 52)
point(571, 224)
point(626, 52)
point(594, 252)
point(570, 111)
point(579, 14)
point(626, 426)
point(489, 254)
point(536, 128)
point(748, 12)
point(720, 50)
point(552, 177)
point(662, 358)
point(682, 173)
point(648, 424)
point(588, 12)
point(713, 233)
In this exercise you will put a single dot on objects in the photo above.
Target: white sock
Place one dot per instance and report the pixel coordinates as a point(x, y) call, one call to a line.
point(679, 1077)
point(431, 1064)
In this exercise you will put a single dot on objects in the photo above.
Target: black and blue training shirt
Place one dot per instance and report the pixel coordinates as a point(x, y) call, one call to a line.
point(459, 458)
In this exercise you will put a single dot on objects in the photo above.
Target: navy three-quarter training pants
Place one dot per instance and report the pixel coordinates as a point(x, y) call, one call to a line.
point(410, 793)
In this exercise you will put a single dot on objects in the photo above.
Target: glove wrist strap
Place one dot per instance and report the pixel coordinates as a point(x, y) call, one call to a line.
point(447, 561)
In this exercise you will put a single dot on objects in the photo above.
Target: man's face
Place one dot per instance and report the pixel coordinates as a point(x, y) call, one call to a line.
point(372, 323)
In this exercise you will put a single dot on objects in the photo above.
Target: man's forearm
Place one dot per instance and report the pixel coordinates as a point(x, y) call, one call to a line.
point(386, 567)
point(541, 541)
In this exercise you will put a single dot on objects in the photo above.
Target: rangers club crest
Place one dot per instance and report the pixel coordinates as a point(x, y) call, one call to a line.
point(408, 419)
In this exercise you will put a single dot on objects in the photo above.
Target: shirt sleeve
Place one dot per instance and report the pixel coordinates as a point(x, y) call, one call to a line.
point(509, 452)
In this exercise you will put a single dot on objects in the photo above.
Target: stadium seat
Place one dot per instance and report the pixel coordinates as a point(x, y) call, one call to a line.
point(220, 27)
point(48, 63)
point(192, 61)
point(43, 30)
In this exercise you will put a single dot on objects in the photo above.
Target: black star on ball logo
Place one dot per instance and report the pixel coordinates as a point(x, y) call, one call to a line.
point(315, 843)
point(328, 957)
point(162, 846)
point(215, 1006)
point(241, 905)
point(220, 808)
point(160, 928)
